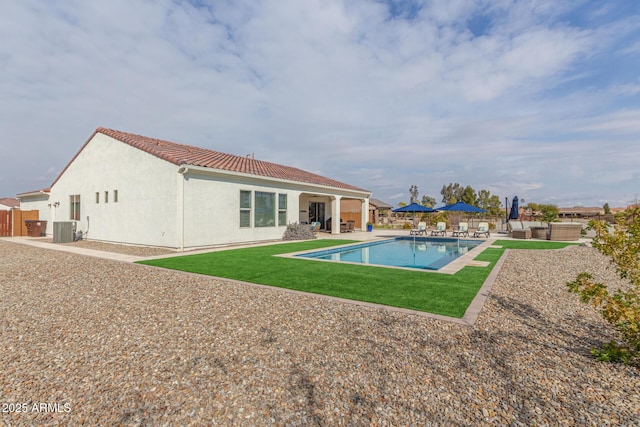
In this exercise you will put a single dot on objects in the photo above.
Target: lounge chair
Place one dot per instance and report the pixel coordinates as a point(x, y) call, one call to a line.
point(483, 228)
point(462, 230)
point(441, 229)
point(420, 230)
point(315, 226)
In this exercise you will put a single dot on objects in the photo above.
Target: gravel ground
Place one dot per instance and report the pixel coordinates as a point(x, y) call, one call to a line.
point(109, 343)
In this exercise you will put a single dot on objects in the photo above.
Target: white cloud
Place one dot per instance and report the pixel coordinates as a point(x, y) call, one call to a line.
point(382, 101)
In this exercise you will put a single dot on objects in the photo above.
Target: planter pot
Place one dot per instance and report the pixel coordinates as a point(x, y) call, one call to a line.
point(369, 227)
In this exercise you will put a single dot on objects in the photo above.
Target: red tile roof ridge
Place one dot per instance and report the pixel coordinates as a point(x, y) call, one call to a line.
point(181, 153)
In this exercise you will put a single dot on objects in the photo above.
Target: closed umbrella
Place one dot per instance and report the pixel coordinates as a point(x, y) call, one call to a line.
point(514, 209)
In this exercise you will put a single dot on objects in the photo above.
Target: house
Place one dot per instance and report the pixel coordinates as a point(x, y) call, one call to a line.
point(127, 188)
point(580, 212)
point(379, 211)
point(8, 203)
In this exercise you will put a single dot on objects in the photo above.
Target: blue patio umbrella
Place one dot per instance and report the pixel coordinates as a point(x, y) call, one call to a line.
point(514, 209)
point(414, 208)
point(461, 207)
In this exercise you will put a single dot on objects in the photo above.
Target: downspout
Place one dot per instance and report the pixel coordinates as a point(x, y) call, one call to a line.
point(180, 207)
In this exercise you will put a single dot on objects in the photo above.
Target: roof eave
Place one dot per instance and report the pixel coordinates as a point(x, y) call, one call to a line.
point(304, 186)
point(28, 194)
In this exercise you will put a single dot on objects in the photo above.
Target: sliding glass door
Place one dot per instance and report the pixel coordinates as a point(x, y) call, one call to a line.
point(316, 213)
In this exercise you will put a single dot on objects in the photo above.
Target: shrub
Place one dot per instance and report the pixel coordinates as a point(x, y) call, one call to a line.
point(297, 231)
point(621, 308)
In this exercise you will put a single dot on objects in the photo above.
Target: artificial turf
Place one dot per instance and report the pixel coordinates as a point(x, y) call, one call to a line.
point(444, 294)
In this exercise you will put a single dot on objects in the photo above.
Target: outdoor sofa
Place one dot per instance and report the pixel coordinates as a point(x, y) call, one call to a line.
point(524, 229)
point(567, 231)
point(560, 231)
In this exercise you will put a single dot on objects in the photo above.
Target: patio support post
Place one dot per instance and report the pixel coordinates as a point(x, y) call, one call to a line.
point(365, 214)
point(335, 215)
point(180, 208)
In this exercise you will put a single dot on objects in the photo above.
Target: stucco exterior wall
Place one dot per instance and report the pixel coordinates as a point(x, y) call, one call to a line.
point(41, 204)
point(145, 211)
point(212, 210)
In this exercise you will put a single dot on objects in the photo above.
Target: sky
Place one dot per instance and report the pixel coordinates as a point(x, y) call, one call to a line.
point(534, 98)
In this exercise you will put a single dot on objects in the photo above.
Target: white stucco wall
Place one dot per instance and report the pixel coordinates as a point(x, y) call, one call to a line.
point(145, 212)
point(212, 210)
point(39, 202)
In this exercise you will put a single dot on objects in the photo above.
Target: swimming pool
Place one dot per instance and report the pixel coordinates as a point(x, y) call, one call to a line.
point(422, 253)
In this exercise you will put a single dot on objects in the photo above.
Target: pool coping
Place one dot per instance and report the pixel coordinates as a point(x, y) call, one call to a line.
point(452, 268)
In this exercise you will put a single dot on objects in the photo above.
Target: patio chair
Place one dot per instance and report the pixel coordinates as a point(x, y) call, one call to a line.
point(420, 230)
point(441, 229)
point(483, 228)
point(315, 226)
point(462, 230)
point(351, 226)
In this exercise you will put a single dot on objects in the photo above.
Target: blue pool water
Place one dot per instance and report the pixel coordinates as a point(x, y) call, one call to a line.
point(422, 252)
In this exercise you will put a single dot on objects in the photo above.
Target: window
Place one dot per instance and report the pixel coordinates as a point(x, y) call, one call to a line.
point(282, 209)
point(97, 197)
point(115, 196)
point(245, 208)
point(106, 197)
point(265, 209)
point(74, 207)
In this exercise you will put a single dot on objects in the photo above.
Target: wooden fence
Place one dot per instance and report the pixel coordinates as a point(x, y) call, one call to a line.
point(5, 224)
point(12, 222)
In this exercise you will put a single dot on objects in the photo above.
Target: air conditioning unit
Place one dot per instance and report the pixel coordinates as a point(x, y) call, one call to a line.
point(64, 231)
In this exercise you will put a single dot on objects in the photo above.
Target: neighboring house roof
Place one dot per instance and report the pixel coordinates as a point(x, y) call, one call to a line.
point(10, 201)
point(195, 156)
point(379, 204)
point(33, 193)
point(580, 210)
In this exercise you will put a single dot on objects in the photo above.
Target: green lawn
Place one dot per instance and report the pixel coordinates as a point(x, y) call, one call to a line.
point(444, 294)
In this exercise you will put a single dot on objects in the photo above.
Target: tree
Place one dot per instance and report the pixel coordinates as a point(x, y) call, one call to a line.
point(451, 193)
point(619, 307)
point(469, 196)
point(428, 201)
point(549, 212)
point(490, 203)
point(413, 191)
point(607, 209)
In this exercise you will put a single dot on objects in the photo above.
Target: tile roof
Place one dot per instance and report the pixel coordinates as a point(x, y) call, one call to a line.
point(10, 201)
point(179, 153)
point(379, 203)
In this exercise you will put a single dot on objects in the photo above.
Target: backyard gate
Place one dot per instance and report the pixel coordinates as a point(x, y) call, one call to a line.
point(19, 217)
point(12, 222)
point(5, 223)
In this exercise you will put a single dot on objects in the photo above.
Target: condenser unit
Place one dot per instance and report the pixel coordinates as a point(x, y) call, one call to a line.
point(64, 231)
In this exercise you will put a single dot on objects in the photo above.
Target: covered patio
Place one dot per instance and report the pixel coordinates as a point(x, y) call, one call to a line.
point(322, 208)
